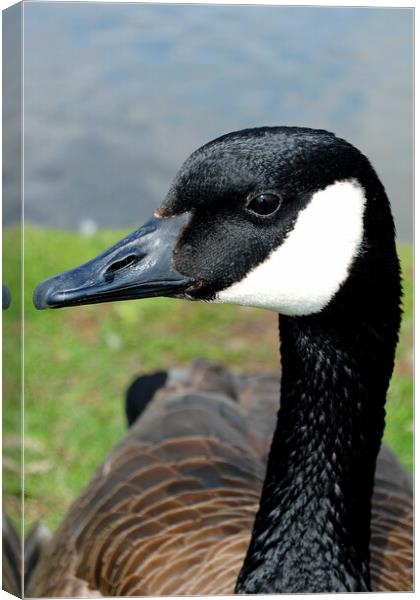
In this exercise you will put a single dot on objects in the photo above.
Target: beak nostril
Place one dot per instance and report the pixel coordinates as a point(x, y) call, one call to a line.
point(119, 265)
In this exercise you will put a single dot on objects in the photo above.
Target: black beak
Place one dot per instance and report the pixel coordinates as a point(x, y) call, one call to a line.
point(139, 266)
point(5, 297)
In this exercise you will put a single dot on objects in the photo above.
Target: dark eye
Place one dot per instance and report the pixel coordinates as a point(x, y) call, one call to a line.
point(264, 204)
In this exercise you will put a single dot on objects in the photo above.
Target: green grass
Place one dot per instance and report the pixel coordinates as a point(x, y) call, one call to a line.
point(79, 362)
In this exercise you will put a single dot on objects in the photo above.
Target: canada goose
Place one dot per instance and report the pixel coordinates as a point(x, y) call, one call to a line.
point(296, 221)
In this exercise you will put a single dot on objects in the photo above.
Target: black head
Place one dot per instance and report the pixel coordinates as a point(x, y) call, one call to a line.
point(276, 217)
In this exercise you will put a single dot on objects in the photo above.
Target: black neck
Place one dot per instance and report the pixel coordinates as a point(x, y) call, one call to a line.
point(312, 530)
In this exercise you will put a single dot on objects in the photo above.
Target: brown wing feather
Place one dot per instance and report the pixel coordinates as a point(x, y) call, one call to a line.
point(170, 511)
point(392, 526)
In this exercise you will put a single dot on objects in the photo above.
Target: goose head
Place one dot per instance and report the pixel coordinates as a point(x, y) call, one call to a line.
point(279, 218)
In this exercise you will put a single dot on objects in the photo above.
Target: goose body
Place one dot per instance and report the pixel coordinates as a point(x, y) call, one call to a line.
point(171, 510)
point(211, 491)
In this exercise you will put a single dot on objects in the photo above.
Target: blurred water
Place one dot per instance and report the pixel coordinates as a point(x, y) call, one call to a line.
point(117, 96)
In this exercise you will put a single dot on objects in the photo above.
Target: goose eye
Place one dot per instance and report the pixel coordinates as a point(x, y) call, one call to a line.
point(264, 204)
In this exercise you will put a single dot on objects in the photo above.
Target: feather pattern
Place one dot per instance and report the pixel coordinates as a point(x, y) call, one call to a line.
point(170, 511)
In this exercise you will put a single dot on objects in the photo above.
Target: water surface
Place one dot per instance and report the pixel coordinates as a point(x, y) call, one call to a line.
point(118, 95)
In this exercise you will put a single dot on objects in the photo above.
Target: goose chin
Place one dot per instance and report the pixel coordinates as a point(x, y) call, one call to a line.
point(139, 266)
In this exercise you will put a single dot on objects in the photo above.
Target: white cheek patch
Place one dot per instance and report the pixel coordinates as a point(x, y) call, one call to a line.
point(302, 275)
